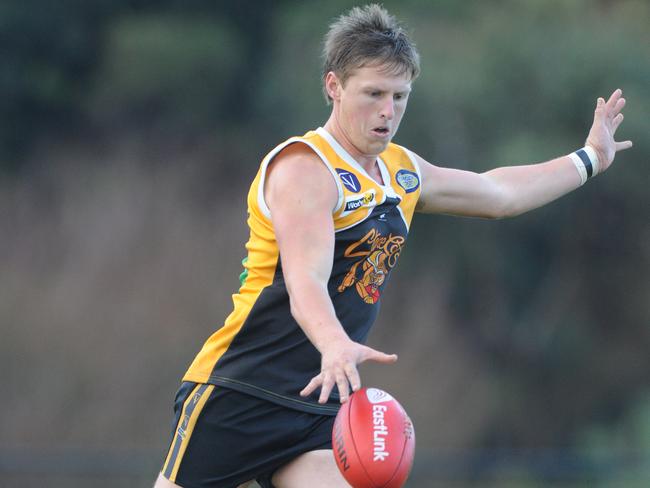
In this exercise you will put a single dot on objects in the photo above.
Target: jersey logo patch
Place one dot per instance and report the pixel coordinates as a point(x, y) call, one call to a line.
point(366, 199)
point(350, 180)
point(407, 180)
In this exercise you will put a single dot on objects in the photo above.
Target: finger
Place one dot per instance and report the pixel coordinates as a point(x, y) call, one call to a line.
point(380, 357)
point(344, 388)
point(616, 122)
point(353, 377)
point(613, 98)
point(617, 108)
point(600, 108)
point(315, 382)
point(326, 389)
point(620, 146)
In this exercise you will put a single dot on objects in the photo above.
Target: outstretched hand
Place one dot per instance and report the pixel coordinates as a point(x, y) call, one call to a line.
point(339, 367)
point(607, 118)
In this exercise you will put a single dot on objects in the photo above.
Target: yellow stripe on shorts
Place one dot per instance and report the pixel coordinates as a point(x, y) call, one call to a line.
point(191, 411)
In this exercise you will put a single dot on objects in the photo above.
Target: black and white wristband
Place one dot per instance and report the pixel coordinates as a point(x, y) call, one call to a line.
point(586, 162)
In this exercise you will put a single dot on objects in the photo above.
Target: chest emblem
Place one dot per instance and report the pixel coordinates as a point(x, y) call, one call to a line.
point(349, 180)
point(407, 180)
point(378, 255)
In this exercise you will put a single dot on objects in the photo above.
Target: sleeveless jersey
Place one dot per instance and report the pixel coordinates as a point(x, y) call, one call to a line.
point(261, 350)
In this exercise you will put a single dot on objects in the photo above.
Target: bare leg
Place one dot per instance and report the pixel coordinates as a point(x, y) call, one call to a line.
point(315, 469)
point(163, 482)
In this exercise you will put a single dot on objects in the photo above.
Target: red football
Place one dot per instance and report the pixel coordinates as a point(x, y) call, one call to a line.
point(373, 440)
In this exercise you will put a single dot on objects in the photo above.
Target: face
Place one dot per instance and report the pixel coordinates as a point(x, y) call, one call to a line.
point(369, 107)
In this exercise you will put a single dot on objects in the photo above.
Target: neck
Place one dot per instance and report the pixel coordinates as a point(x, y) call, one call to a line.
point(367, 161)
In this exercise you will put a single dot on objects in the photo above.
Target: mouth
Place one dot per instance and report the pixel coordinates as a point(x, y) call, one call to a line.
point(381, 131)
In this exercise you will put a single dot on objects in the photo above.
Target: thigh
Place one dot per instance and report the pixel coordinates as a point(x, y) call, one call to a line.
point(315, 469)
point(223, 438)
point(162, 482)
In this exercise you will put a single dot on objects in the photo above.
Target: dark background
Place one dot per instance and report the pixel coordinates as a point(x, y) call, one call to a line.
point(129, 133)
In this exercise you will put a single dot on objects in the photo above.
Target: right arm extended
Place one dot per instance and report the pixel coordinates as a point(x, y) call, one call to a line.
point(301, 194)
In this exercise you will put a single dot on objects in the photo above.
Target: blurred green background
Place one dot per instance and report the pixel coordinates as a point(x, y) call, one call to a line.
point(129, 133)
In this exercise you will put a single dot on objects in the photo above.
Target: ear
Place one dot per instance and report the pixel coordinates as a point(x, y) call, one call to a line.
point(333, 85)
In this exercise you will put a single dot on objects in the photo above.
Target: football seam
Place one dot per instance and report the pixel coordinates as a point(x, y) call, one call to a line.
point(399, 464)
point(372, 483)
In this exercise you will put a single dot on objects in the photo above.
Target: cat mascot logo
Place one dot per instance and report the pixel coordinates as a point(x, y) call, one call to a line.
point(378, 258)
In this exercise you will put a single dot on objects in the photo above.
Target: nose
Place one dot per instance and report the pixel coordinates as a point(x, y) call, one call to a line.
point(388, 109)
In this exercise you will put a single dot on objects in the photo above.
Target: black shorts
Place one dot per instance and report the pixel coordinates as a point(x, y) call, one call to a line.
point(223, 438)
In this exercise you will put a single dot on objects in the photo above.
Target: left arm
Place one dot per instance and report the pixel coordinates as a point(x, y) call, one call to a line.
point(513, 190)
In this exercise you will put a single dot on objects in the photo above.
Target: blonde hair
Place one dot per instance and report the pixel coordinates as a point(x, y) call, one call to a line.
point(368, 36)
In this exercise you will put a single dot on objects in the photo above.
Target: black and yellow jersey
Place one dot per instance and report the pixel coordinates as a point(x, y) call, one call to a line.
point(261, 350)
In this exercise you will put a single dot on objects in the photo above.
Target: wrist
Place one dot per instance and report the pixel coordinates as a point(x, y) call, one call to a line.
point(335, 338)
point(587, 163)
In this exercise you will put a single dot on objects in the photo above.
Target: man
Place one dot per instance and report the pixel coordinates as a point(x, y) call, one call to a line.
point(329, 214)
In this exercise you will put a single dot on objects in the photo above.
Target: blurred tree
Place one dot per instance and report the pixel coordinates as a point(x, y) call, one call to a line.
point(48, 52)
point(124, 59)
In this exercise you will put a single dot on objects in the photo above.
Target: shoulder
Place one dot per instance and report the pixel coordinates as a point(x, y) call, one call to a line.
point(297, 170)
point(297, 160)
point(297, 153)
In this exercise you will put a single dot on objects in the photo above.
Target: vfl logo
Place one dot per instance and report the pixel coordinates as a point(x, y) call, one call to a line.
point(407, 180)
point(350, 180)
point(375, 263)
point(182, 428)
point(375, 395)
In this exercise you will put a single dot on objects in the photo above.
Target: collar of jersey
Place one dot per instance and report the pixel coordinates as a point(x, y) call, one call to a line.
point(343, 154)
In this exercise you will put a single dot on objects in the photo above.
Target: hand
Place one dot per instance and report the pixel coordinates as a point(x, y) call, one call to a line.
point(339, 366)
point(607, 118)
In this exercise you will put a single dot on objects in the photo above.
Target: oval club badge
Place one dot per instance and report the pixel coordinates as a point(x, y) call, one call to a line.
point(407, 180)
